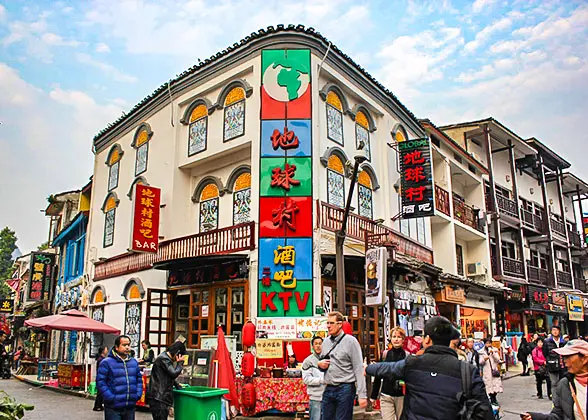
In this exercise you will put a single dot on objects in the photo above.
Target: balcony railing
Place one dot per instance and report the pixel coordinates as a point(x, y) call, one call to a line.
point(512, 267)
point(466, 214)
point(563, 279)
point(331, 217)
point(558, 227)
point(214, 242)
point(539, 276)
point(532, 220)
point(507, 206)
point(575, 239)
point(442, 200)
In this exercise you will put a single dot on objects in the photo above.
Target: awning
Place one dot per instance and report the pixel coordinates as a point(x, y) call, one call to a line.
point(72, 320)
point(76, 222)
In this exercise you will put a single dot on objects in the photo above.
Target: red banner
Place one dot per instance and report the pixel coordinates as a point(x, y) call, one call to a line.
point(145, 232)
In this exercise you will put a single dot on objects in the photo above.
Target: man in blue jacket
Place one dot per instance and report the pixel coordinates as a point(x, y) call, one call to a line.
point(119, 381)
point(433, 380)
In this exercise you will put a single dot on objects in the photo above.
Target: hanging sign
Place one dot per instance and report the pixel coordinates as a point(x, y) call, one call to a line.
point(309, 327)
point(269, 349)
point(416, 178)
point(145, 224)
point(375, 276)
point(41, 275)
point(585, 226)
point(6, 306)
point(575, 308)
point(539, 298)
point(282, 328)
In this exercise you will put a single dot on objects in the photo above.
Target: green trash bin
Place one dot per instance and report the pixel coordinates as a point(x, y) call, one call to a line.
point(198, 403)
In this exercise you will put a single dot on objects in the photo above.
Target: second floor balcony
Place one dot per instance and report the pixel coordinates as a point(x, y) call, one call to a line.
point(564, 279)
point(575, 239)
point(538, 276)
point(510, 267)
point(532, 220)
point(558, 228)
point(505, 206)
point(467, 214)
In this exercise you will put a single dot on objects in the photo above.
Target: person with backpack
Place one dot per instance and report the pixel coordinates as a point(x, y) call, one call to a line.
point(523, 356)
point(472, 355)
point(392, 395)
point(540, 367)
point(554, 364)
point(438, 385)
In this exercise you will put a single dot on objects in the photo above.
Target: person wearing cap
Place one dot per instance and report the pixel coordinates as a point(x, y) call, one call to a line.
point(554, 364)
point(433, 380)
point(166, 368)
point(569, 397)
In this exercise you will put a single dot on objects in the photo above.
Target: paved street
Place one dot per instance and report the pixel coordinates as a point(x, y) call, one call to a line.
point(519, 396)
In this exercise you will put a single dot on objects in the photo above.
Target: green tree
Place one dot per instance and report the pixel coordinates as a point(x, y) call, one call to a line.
point(44, 246)
point(7, 246)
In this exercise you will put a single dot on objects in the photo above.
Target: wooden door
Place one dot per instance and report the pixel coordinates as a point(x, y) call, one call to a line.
point(160, 318)
point(200, 312)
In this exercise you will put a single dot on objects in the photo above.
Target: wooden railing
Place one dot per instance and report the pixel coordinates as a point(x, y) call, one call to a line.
point(442, 200)
point(539, 276)
point(466, 214)
point(507, 206)
point(214, 242)
point(532, 220)
point(563, 279)
point(512, 267)
point(557, 227)
point(331, 217)
point(575, 239)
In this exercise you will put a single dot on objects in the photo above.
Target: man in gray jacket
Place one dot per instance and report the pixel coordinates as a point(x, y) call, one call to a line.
point(343, 365)
point(314, 379)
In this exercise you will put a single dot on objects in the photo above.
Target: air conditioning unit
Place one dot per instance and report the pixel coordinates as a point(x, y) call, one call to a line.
point(477, 269)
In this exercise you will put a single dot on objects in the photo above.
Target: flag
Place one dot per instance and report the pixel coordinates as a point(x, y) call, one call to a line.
point(226, 370)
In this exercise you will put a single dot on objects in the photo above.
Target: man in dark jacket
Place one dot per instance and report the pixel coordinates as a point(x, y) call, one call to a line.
point(554, 364)
point(120, 382)
point(167, 367)
point(433, 380)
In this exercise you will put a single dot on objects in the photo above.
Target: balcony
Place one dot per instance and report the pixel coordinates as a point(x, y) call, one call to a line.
point(563, 279)
point(466, 214)
point(532, 220)
point(538, 276)
point(507, 206)
point(512, 267)
point(575, 239)
point(331, 217)
point(214, 242)
point(558, 228)
point(442, 200)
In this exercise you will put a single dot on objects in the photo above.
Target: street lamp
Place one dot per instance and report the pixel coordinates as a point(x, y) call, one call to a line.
point(340, 235)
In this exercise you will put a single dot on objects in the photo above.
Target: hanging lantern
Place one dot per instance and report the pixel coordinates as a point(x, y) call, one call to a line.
point(347, 328)
point(248, 364)
point(248, 395)
point(248, 334)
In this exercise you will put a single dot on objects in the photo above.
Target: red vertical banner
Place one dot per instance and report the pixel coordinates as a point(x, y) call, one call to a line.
point(146, 207)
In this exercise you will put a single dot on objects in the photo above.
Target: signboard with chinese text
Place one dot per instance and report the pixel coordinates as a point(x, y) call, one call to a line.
point(416, 178)
point(41, 275)
point(309, 327)
point(285, 286)
point(376, 262)
point(145, 225)
point(575, 308)
point(276, 328)
point(559, 302)
point(6, 306)
point(539, 298)
point(269, 349)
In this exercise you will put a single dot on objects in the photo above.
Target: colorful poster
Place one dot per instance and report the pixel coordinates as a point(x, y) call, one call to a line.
point(41, 275)
point(285, 186)
point(309, 327)
point(575, 308)
point(145, 225)
point(376, 262)
point(416, 178)
point(269, 349)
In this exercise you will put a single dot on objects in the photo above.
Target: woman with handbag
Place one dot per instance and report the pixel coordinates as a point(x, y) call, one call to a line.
point(490, 368)
point(540, 366)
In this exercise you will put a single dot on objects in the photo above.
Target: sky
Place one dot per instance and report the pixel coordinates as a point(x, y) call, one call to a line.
point(67, 69)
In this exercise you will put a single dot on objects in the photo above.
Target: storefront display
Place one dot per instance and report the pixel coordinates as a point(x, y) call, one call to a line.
point(412, 310)
point(474, 322)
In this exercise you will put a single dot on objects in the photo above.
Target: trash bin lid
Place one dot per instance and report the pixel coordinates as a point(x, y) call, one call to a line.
point(201, 391)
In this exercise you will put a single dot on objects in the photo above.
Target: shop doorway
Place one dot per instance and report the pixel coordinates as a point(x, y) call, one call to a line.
point(160, 319)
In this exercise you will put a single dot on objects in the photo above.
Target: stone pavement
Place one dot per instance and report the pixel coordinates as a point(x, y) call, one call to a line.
point(519, 396)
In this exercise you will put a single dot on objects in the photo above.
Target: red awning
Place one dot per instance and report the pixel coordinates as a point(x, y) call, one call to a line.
point(72, 320)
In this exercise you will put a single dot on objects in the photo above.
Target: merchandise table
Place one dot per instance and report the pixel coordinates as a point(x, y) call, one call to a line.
point(287, 395)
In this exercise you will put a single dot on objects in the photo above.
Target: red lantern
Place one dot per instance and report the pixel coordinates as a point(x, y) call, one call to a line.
point(347, 329)
point(248, 395)
point(248, 364)
point(248, 334)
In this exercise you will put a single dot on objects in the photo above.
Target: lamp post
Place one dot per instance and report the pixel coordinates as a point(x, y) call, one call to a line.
point(342, 233)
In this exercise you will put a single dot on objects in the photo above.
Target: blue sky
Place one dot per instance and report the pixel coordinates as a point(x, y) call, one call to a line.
point(69, 68)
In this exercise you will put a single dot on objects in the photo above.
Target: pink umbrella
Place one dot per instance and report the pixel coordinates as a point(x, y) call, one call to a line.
point(72, 320)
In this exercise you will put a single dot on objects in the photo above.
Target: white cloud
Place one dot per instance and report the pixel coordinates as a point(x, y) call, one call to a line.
point(101, 47)
point(484, 35)
point(57, 40)
point(2, 12)
point(480, 5)
point(106, 68)
point(554, 27)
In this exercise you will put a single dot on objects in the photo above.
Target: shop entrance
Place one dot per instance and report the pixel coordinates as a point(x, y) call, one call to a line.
point(159, 318)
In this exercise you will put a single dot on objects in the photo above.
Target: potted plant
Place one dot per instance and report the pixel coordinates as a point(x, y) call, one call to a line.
point(10, 409)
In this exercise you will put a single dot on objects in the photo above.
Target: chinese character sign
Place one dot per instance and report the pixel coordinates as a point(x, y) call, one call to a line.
point(375, 276)
point(145, 232)
point(41, 272)
point(575, 308)
point(285, 186)
point(416, 178)
point(269, 349)
point(6, 306)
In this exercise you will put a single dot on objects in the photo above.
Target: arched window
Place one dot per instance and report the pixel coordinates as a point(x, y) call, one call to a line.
point(109, 209)
point(113, 162)
point(209, 208)
point(365, 195)
point(242, 198)
point(132, 293)
point(198, 130)
point(334, 117)
point(234, 114)
point(141, 144)
point(335, 182)
point(362, 133)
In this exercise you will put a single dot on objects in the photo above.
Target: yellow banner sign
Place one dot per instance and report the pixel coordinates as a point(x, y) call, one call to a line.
point(269, 349)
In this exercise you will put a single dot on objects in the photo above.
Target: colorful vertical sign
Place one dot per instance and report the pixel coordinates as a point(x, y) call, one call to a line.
point(145, 231)
point(41, 274)
point(376, 262)
point(417, 178)
point(575, 308)
point(585, 226)
point(285, 186)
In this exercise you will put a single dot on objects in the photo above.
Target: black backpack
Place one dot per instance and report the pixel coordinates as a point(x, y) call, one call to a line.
point(471, 408)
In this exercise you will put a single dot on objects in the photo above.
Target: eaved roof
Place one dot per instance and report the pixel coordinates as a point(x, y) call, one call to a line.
point(295, 34)
point(552, 159)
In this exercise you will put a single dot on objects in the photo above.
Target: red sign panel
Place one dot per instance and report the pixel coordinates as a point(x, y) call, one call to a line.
point(145, 232)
